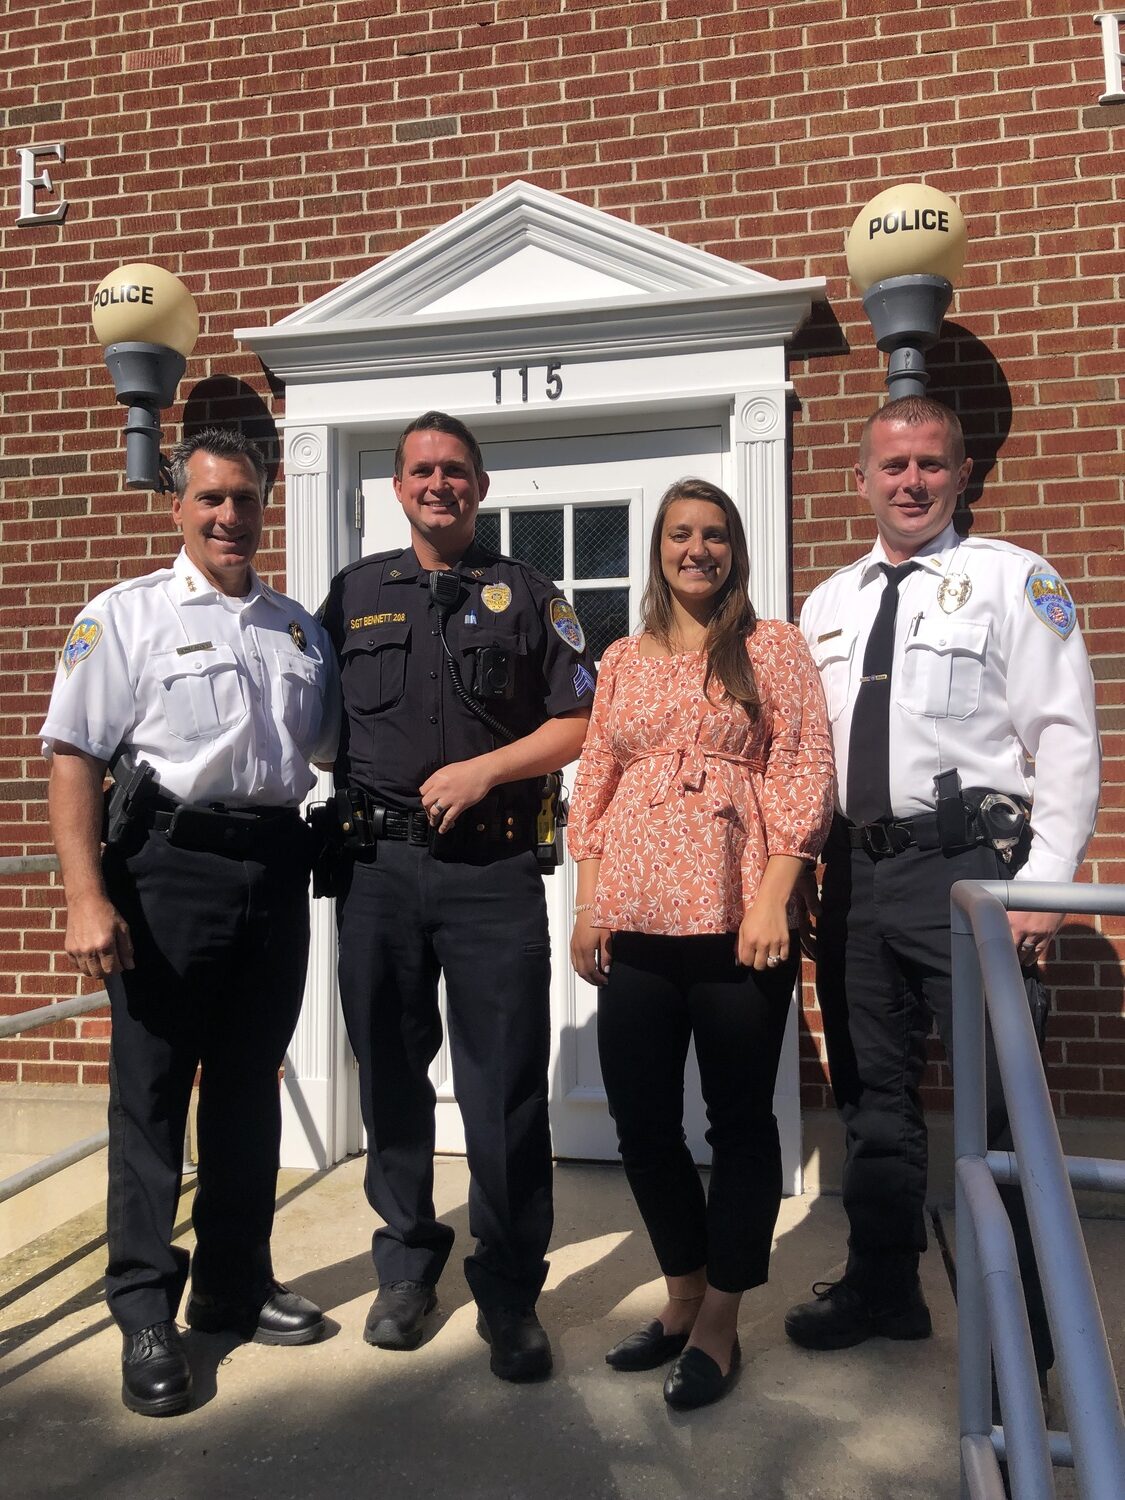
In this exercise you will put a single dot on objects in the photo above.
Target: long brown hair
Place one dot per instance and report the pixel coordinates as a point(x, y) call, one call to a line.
point(732, 619)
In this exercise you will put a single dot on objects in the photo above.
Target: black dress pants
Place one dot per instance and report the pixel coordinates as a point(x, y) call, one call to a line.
point(661, 992)
point(405, 918)
point(883, 977)
point(220, 947)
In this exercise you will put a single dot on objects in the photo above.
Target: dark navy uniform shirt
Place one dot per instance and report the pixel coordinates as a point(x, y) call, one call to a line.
point(403, 719)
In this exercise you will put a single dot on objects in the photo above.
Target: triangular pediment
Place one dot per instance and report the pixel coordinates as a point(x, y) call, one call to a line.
point(530, 274)
point(521, 248)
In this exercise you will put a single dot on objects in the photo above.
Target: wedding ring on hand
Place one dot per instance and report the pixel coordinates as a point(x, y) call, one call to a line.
point(437, 808)
point(773, 960)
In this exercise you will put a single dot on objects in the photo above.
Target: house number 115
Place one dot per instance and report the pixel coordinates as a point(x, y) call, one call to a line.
point(553, 388)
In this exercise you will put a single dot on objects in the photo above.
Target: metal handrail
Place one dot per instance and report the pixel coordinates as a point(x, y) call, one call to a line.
point(991, 1309)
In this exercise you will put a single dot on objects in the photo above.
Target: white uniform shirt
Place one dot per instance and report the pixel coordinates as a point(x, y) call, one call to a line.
point(227, 699)
point(990, 677)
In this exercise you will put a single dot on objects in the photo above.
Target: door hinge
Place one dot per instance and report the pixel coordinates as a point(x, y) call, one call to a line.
point(357, 508)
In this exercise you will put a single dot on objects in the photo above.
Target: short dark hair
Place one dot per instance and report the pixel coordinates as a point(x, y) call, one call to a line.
point(220, 442)
point(915, 411)
point(439, 421)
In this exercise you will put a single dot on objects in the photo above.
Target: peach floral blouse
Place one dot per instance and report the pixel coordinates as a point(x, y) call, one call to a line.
point(684, 799)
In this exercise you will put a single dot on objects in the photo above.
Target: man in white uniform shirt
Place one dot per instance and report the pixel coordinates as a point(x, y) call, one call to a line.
point(196, 915)
point(980, 685)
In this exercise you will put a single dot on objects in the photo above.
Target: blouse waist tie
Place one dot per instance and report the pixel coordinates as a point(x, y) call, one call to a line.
point(688, 763)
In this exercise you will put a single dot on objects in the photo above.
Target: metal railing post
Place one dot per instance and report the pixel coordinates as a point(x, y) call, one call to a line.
point(974, 1398)
point(1093, 1408)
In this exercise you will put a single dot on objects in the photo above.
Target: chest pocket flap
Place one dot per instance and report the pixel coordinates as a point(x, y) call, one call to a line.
point(833, 657)
point(201, 692)
point(942, 667)
point(373, 669)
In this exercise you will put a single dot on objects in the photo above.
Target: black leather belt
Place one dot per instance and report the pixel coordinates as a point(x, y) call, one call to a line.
point(886, 839)
point(480, 826)
point(217, 829)
point(397, 823)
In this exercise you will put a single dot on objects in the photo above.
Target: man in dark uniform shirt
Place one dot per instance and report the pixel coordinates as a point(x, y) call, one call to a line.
point(451, 885)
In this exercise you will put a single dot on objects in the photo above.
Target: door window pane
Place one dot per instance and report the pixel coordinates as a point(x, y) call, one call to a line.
point(601, 541)
point(604, 614)
point(537, 538)
point(488, 529)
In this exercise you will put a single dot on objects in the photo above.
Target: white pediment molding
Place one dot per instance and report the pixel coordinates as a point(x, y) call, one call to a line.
point(526, 274)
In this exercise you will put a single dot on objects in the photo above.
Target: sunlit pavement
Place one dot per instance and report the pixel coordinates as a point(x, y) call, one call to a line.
point(340, 1419)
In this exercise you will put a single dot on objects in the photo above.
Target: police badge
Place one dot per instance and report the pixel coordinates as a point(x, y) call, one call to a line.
point(496, 597)
point(954, 591)
point(297, 635)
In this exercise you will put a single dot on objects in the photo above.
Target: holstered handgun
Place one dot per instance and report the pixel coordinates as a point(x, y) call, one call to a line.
point(123, 801)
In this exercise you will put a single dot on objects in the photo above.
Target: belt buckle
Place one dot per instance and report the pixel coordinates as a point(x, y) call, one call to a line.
point(879, 847)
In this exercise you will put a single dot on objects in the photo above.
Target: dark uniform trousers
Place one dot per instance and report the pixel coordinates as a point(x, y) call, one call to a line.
point(406, 916)
point(883, 976)
point(221, 946)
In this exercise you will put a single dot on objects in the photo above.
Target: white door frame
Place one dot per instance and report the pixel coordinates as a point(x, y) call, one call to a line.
point(678, 336)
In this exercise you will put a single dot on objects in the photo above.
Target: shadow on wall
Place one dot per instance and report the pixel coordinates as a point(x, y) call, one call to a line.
point(223, 401)
point(966, 376)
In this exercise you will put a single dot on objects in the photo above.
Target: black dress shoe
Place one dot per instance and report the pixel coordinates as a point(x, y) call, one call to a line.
point(155, 1375)
point(840, 1315)
point(284, 1317)
point(649, 1347)
point(696, 1380)
point(395, 1318)
point(521, 1349)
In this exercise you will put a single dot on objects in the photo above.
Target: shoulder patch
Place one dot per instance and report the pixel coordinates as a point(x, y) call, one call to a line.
point(80, 642)
point(1051, 602)
point(566, 625)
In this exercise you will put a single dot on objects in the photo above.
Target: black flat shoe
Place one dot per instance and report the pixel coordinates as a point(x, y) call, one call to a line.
point(696, 1380)
point(155, 1376)
point(284, 1317)
point(649, 1347)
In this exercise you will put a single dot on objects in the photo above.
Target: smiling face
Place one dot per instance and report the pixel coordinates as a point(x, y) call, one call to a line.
point(440, 491)
point(220, 515)
point(695, 554)
point(911, 479)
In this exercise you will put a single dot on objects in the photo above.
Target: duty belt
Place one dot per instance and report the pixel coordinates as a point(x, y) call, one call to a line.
point(984, 817)
point(477, 825)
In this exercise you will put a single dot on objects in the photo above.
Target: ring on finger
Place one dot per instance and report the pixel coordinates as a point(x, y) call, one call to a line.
point(773, 960)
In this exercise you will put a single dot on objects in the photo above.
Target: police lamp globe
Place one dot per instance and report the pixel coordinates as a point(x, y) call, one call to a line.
point(905, 250)
point(148, 322)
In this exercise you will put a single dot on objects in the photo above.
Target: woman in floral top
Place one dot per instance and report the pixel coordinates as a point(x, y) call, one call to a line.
point(705, 786)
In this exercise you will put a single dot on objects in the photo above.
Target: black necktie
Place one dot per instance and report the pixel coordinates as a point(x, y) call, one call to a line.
point(869, 789)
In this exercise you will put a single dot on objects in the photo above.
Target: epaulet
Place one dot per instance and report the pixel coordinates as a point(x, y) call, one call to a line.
point(371, 557)
point(1009, 549)
point(518, 562)
point(130, 585)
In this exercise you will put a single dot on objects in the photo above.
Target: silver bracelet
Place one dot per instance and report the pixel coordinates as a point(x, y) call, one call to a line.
point(583, 906)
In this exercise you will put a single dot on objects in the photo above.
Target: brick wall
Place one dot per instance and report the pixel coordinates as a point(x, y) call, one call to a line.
point(266, 151)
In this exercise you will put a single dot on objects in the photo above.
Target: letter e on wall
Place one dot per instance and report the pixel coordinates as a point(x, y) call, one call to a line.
point(32, 182)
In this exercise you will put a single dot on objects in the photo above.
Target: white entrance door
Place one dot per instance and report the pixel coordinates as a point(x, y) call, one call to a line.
point(580, 508)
